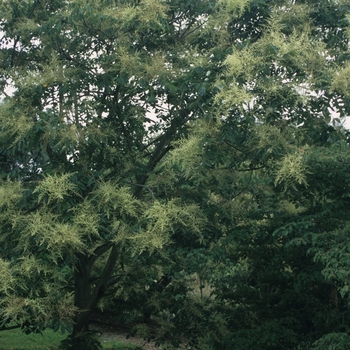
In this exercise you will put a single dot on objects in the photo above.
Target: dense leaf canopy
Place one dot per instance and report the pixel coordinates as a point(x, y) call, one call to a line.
point(146, 145)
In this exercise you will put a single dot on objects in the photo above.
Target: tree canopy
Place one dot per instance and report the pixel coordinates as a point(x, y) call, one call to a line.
point(143, 143)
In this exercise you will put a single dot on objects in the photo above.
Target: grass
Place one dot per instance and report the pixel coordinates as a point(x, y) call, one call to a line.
point(15, 339)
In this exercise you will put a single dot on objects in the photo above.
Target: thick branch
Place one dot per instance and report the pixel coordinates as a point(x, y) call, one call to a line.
point(98, 252)
point(105, 276)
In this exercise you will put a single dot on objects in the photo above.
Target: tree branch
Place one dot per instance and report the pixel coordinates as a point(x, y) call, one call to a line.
point(104, 278)
point(98, 252)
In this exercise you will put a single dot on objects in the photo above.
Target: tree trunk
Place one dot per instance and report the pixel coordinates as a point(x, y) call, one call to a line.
point(82, 295)
point(85, 298)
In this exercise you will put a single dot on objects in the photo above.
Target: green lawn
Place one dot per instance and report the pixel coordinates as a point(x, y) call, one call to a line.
point(15, 339)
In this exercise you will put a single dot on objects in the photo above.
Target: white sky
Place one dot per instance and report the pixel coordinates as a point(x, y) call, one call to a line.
point(347, 123)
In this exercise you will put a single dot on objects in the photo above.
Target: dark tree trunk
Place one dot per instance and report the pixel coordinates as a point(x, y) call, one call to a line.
point(85, 297)
point(82, 295)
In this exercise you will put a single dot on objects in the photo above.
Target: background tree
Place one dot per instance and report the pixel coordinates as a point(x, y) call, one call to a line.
point(273, 185)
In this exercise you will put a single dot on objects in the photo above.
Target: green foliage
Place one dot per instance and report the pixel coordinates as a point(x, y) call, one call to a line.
point(144, 143)
point(292, 170)
point(11, 193)
point(78, 146)
point(5, 271)
point(55, 187)
point(332, 341)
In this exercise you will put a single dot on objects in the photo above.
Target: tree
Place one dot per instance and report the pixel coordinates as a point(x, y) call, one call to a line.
point(143, 132)
point(79, 145)
point(271, 172)
point(275, 172)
